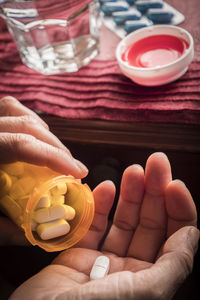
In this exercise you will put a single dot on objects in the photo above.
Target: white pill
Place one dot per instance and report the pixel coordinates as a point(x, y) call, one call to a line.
point(60, 188)
point(48, 214)
point(69, 212)
point(52, 230)
point(100, 267)
point(44, 202)
point(58, 199)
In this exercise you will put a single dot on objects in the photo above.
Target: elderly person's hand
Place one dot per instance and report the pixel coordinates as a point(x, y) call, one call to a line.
point(151, 242)
point(24, 136)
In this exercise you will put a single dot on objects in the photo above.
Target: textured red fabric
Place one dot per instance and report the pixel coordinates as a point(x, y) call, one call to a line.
point(99, 90)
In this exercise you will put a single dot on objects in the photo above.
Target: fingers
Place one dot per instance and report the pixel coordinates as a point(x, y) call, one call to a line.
point(157, 174)
point(180, 207)
point(30, 125)
point(127, 213)
point(104, 195)
point(23, 147)
point(151, 230)
point(9, 106)
point(172, 268)
point(18, 118)
point(21, 127)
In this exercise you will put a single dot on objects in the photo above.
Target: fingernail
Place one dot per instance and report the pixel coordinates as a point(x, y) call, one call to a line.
point(81, 166)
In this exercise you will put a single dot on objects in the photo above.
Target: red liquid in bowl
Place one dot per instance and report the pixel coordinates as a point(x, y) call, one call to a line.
point(154, 51)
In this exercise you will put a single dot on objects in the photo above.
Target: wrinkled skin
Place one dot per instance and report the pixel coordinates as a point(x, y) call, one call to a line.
point(151, 242)
point(24, 136)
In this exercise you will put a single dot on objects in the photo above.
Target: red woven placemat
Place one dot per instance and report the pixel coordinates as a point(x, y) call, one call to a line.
point(99, 90)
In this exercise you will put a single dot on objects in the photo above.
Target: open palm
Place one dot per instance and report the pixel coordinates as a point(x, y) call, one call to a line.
point(144, 240)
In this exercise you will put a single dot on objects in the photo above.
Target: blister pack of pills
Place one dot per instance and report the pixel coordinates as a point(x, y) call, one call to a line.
point(126, 16)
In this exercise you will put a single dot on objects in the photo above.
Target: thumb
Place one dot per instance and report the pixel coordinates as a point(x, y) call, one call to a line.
point(174, 264)
point(181, 248)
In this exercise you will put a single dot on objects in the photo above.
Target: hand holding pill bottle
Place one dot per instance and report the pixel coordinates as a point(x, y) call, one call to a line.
point(54, 210)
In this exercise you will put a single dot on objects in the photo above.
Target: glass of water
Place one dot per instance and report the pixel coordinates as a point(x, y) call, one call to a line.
point(54, 36)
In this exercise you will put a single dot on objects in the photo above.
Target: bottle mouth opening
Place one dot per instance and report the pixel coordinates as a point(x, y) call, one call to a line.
point(79, 197)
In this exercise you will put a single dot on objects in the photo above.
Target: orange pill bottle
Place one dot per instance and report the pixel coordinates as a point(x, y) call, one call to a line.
point(22, 186)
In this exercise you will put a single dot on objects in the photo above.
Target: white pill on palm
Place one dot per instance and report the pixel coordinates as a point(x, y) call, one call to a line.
point(100, 267)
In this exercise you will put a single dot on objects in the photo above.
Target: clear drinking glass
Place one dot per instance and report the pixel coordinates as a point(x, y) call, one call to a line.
point(54, 36)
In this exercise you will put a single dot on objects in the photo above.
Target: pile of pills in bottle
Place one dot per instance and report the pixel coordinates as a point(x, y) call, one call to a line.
point(126, 16)
point(51, 215)
point(14, 190)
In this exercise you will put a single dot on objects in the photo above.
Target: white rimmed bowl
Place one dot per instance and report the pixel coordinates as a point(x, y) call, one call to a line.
point(161, 74)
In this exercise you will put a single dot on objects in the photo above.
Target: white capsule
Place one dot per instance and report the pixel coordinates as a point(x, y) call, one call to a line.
point(53, 229)
point(48, 214)
point(58, 199)
point(60, 188)
point(69, 212)
point(100, 267)
point(44, 202)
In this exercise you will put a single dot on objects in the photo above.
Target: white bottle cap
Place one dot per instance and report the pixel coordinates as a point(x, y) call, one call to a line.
point(160, 74)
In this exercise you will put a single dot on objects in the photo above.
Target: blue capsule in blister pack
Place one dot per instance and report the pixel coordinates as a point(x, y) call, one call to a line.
point(144, 5)
point(105, 1)
point(130, 2)
point(159, 16)
point(125, 16)
point(110, 7)
point(121, 17)
point(131, 26)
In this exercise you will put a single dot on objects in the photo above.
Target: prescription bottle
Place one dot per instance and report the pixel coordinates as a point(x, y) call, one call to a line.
point(29, 193)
